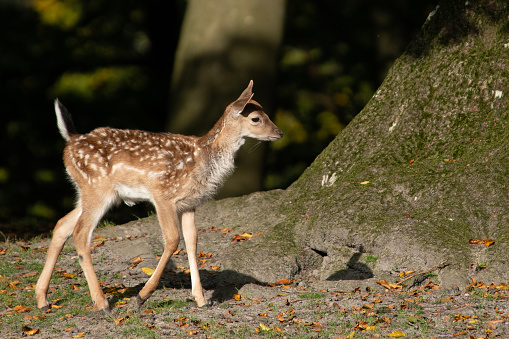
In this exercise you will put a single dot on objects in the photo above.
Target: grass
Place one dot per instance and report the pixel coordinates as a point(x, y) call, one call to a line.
point(311, 295)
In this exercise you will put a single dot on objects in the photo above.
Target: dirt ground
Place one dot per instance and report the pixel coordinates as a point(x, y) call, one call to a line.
point(241, 307)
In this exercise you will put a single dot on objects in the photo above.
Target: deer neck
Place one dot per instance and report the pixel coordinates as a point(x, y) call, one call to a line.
point(222, 140)
point(220, 145)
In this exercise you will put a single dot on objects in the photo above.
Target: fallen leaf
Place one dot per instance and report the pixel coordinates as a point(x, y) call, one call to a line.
point(29, 274)
point(204, 255)
point(135, 262)
point(365, 182)
point(99, 238)
point(177, 251)
point(404, 274)
point(79, 335)
point(215, 268)
point(33, 332)
point(263, 327)
point(13, 284)
point(98, 244)
point(245, 236)
point(396, 334)
point(237, 238)
point(486, 242)
point(285, 281)
point(192, 332)
point(120, 321)
point(237, 297)
point(182, 321)
point(148, 271)
point(66, 275)
point(22, 309)
point(390, 286)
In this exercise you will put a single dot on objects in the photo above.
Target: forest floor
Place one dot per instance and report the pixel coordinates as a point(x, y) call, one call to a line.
point(300, 307)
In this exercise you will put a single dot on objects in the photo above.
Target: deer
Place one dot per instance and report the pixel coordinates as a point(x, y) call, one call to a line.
point(174, 172)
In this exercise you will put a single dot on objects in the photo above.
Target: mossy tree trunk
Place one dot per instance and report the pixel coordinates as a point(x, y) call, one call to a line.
point(419, 172)
point(223, 45)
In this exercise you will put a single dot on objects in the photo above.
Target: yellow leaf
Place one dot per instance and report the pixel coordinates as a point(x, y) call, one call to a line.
point(79, 335)
point(396, 334)
point(33, 332)
point(264, 328)
point(488, 242)
point(147, 271)
point(404, 274)
point(365, 182)
point(99, 238)
point(67, 275)
point(237, 297)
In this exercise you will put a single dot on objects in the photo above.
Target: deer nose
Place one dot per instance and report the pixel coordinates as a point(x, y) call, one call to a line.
point(278, 132)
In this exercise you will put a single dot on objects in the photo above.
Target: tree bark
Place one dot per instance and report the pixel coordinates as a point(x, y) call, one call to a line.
point(223, 45)
point(420, 172)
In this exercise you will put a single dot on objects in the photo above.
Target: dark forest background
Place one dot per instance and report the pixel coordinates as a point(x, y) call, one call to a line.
point(111, 62)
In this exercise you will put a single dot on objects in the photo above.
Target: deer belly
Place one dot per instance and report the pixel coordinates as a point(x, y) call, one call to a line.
point(132, 195)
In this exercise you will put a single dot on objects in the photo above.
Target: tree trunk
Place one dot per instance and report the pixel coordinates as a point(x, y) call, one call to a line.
point(420, 172)
point(223, 45)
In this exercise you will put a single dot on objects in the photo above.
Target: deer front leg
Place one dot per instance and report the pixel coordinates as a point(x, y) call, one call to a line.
point(63, 230)
point(167, 216)
point(191, 238)
point(82, 232)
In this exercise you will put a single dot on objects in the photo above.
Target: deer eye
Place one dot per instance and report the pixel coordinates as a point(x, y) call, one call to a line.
point(255, 119)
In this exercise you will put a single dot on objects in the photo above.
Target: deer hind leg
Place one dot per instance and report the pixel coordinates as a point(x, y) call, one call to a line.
point(167, 216)
point(191, 238)
point(63, 230)
point(93, 210)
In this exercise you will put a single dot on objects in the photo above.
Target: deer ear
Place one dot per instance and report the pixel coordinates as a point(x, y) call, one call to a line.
point(239, 104)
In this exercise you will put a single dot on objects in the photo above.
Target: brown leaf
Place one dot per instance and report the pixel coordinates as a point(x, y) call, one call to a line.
point(29, 274)
point(204, 255)
point(238, 238)
point(22, 309)
point(390, 286)
point(120, 321)
point(66, 275)
point(135, 262)
point(94, 246)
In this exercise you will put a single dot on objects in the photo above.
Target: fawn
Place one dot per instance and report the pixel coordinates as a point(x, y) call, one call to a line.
point(176, 173)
